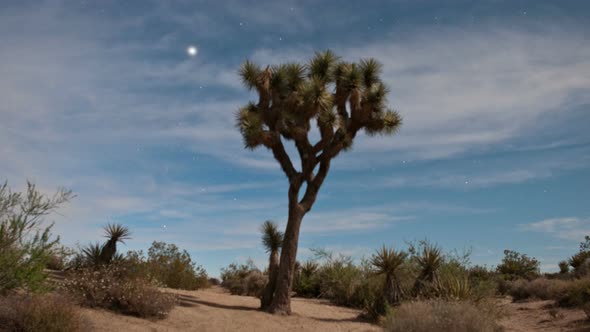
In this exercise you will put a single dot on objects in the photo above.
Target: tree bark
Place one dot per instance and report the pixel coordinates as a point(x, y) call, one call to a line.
point(273, 270)
point(281, 302)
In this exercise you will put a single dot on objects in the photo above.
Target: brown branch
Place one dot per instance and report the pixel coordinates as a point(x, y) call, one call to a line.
point(274, 143)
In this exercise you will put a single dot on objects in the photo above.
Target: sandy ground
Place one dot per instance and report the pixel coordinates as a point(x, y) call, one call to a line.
point(536, 316)
point(215, 310)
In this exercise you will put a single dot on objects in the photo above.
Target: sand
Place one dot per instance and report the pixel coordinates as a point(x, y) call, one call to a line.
point(214, 309)
point(536, 316)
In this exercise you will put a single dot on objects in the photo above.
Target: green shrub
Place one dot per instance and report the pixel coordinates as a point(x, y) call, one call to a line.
point(515, 265)
point(173, 268)
point(306, 282)
point(438, 315)
point(26, 246)
point(245, 279)
point(31, 313)
point(113, 287)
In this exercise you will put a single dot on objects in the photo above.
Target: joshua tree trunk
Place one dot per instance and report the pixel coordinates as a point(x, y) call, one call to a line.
point(273, 270)
point(281, 302)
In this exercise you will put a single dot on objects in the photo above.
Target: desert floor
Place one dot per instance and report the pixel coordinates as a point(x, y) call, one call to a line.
point(214, 309)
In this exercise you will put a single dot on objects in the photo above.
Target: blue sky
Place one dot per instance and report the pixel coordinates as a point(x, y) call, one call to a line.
point(494, 153)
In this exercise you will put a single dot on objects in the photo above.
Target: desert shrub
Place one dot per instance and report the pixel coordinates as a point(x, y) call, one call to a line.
point(245, 279)
point(339, 280)
point(173, 268)
point(575, 293)
point(59, 258)
point(564, 267)
point(306, 282)
point(26, 245)
point(515, 265)
point(31, 313)
point(112, 287)
point(214, 281)
point(540, 288)
point(567, 293)
point(580, 262)
point(438, 315)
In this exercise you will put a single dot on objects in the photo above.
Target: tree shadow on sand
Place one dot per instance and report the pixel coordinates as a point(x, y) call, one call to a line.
point(190, 301)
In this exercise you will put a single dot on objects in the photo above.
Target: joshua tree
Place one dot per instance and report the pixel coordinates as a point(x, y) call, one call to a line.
point(341, 98)
point(389, 262)
point(115, 233)
point(429, 261)
point(272, 239)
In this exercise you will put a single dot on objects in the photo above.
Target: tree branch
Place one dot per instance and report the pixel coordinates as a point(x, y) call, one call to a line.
point(274, 143)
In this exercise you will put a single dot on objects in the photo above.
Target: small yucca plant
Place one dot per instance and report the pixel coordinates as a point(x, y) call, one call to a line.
point(389, 262)
point(309, 267)
point(272, 239)
point(429, 261)
point(91, 254)
point(115, 233)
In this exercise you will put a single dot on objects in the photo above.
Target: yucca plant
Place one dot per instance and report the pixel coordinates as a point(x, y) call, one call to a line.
point(388, 262)
point(91, 254)
point(272, 239)
point(429, 261)
point(115, 233)
point(456, 287)
point(309, 267)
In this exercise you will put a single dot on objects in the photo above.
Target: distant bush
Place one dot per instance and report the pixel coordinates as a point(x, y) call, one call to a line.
point(515, 265)
point(306, 282)
point(540, 288)
point(245, 279)
point(576, 293)
point(566, 293)
point(112, 287)
point(173, 268)
point(438, 315)
point(26, 246)
point(31, 313)
point(580, 262)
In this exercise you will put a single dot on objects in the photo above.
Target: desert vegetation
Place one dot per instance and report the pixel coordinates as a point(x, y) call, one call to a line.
point(421, 286)
point(96, 275)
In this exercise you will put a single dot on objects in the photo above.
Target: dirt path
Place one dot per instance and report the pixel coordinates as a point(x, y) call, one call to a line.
point(536, 316)
point(215, 310)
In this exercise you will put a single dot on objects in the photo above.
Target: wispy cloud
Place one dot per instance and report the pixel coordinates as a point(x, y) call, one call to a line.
point(568, 228)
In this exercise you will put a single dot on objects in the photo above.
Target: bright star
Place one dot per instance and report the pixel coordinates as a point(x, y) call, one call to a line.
point(192, 50)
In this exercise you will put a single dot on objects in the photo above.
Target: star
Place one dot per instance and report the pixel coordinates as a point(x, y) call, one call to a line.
point(192, 51)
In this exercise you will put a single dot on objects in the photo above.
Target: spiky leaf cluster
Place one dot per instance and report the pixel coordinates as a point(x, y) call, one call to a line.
point(272, 238)
point(388, 261)
point(341, 97)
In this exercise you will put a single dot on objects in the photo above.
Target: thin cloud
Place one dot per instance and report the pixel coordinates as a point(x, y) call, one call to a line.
point(568, 228)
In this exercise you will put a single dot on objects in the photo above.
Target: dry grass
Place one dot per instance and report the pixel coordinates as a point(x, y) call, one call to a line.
point(110, 288)
point(49, 312)
point(426, 316)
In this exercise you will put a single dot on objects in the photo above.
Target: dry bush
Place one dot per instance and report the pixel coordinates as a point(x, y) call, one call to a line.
point(437, 315)
point(112, 288)
point(576, 293)
point(540, 288)
point(49, 313)
point(567, 293)
point(245, 279)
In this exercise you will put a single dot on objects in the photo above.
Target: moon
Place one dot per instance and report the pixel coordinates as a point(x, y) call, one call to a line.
point(192, 50)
